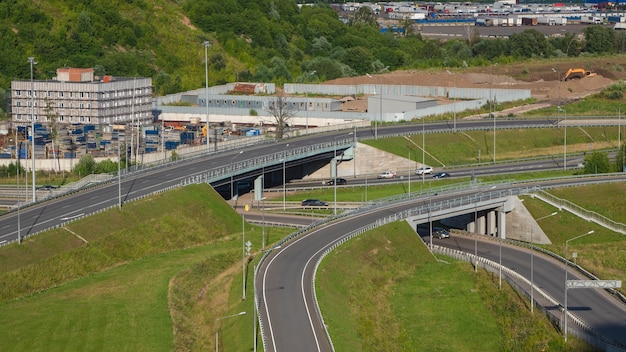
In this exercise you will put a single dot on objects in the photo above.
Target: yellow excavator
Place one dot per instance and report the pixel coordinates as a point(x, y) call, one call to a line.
point(577, 73)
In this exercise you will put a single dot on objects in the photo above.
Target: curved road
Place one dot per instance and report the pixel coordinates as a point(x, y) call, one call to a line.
point(57, 211)
point(285, 293)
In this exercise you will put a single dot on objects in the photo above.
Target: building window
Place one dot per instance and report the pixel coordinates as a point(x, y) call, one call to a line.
point(60, 94)
point(18, 93)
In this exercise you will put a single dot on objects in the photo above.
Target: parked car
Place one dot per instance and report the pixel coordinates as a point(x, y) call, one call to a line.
point(387, 174)
point(313, 203)
point(442, 174)
point(46, 188)
point(340, 181)
point(424, 170)
point(440, 232)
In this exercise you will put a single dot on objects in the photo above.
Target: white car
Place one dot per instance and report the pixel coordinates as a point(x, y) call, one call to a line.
point(387, 174)
point(424, 170)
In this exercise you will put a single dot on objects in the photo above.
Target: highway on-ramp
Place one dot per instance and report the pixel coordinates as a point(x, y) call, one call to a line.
point(285, 293)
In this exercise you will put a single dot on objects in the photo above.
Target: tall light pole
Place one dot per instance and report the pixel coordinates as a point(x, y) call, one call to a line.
point(476, 197)
point(566, 265)
point(564, 139)
point(32, 62)
point(207, 44)
point(491, 101)
point(423, 149)
point(263, 224)
point(307, 101)
point(454, 100)
point(119, 170)
point(217, 328)
point(380, 86)
point(335, 173)
point(284, 180)
point(410, 169)
point(243, 254)
point(17, 157)
point(558, 101)
point(532, 271)
point(232, 174)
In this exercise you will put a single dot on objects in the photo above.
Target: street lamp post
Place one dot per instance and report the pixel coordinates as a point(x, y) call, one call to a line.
point(243, 255)
point(32, 62)
point(566, 265)
point(232, 174)
point(17, 157)
point(263, 223)
point(558, 101)
point(476, 197)
point(491, 101)
point(532, 270)
point(423, 150)
point(335, 173)
point(564, 139)
point(284, 180)
point(380, 86)
point(217, 328)
point(307, 101)
point(410, 169)
point(454, 101)
point(207, 44)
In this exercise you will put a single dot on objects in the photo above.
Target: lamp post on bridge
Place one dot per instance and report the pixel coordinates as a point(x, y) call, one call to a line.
point(476, 198)
point(335, 173)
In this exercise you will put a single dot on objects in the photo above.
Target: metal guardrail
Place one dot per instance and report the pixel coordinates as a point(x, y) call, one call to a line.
point(580, 211)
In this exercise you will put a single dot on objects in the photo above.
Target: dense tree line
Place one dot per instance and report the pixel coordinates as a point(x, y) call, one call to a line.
point(263, 40)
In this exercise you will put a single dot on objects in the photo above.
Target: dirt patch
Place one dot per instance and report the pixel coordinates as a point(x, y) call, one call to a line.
point(539, 78)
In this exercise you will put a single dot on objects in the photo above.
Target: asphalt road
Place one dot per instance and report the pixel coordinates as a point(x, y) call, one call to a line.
point(293, 308)
point(285, 282)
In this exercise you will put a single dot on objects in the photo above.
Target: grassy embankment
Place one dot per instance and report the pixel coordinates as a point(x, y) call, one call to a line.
point(602, 252)
point(153, 277)
point(461, 149)
point(383, 291)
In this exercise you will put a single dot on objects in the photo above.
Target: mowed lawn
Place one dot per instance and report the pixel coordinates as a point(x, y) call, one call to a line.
point(384, 291)
point(122, 309)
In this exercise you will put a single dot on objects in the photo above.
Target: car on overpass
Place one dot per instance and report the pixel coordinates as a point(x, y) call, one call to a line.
point(313, 203)
point(387, 174)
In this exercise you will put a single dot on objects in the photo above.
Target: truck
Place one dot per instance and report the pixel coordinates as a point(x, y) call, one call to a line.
point(591, 20)
point(619, 26)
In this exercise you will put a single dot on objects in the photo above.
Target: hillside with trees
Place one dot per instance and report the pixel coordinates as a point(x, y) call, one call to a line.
point(266, 40)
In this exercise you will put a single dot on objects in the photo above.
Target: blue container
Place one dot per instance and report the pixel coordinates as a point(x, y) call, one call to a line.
point(169, 145)
point(69, 155)
point(88, 128)
point(77, 131)
point(151, 149)
point(91, 145)
point(23, 154)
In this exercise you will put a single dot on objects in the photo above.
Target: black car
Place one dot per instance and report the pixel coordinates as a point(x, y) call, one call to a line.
point(313, 203)
point(46, 188)
point(439, 232)
point(340, 181)
point(442, 174)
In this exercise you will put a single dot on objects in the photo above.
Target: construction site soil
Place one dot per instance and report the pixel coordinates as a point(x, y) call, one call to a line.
point(538, 77)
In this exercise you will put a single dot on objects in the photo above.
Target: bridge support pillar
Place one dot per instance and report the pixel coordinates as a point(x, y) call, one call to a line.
point(491, 223)
point(501, 224)
point(477, 225)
